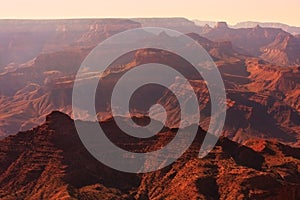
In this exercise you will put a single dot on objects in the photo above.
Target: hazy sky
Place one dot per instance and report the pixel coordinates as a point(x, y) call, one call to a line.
point(232, 11)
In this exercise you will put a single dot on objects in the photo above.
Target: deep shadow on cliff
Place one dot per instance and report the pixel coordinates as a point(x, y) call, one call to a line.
point(50, 162)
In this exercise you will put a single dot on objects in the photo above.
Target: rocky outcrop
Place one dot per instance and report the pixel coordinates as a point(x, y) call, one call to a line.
point(221, 50)
point(23, 40)
point(284, 50)
point(263, 98)
point(247, 41)
point(50, 162)
point(221, 25)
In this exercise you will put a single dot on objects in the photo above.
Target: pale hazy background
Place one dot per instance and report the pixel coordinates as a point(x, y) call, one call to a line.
point(232, 11)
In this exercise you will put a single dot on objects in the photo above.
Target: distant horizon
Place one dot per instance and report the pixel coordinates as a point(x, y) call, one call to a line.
point(231, 11)
point(178, 17)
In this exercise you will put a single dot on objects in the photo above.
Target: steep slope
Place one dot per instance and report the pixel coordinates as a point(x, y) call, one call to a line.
point(284, 50)
point(50, 162)
point(271, 44)
point(23, 40)
point(249, 39)
point(222, 50)
point(263, 99)
point(36, 88)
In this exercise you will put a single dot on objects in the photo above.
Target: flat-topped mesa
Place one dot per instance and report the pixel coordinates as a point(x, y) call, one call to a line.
point(221, 25)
